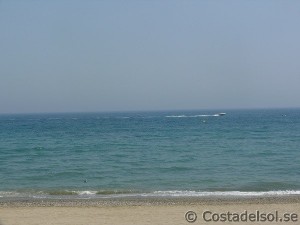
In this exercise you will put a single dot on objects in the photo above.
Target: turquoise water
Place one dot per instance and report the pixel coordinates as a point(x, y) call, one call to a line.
point(247, 152)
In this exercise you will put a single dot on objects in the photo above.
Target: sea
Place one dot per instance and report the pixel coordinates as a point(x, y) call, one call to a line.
point(150, 154)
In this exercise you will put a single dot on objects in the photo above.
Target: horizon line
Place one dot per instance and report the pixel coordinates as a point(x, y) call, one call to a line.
point(148, 110)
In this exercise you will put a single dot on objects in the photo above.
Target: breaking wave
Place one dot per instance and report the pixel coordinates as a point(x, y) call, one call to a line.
point(128, 193)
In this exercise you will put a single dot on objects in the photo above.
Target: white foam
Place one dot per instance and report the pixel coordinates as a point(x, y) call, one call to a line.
point(173, 116)
point(86, 192)
point(192, 116)
point(173, 193)
point(205, 194)
point(224, 193)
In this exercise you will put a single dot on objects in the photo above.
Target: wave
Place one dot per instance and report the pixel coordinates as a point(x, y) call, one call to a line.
point(128, 193)
point(225, 193)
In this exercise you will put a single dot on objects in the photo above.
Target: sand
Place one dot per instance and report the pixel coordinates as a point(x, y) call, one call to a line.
point(139, 211)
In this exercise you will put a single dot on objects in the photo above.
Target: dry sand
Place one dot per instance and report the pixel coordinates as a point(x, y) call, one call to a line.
point(137, 211)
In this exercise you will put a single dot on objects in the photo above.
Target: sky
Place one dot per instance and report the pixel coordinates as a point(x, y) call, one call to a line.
point(124, 55)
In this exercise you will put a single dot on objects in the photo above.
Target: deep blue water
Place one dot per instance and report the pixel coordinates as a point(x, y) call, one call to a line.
point(150, 153)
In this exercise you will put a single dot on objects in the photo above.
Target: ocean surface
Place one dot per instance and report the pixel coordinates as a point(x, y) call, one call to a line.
point(176, 153)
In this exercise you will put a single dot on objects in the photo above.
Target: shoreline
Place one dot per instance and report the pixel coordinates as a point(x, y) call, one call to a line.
point(147, 201)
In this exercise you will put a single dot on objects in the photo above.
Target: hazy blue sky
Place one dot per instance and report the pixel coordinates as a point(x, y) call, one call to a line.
point(58, 56)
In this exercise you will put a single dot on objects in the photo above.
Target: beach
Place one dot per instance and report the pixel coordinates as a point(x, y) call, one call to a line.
point(143, 211)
